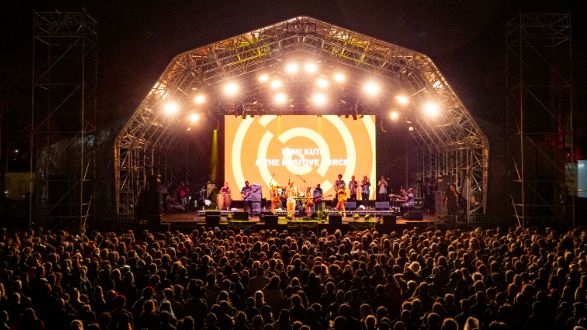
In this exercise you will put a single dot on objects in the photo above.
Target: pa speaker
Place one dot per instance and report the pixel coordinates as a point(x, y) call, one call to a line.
point(382, 205)
point(334, 221)
point(270, 220)
point(414, 215)
point(350, 205)
point(389, 219)
point(240, 215)
point(212, 220)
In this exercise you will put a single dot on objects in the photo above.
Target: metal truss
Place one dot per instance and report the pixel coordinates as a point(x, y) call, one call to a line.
point(540, 117)
point(63, 117)
point(455, 144)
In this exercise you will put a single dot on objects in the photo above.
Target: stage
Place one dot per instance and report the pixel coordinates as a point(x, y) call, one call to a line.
point(382, 220)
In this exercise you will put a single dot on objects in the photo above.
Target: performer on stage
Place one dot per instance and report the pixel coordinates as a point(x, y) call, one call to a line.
point(407, 198)
point(317, 194)
point(226, 197)
point(453, 202)
point(338, 184)
point(382, 189)
point(341, 198)
point(275, 198)
point(365, 187)
point(246, 195)
point(353, 185)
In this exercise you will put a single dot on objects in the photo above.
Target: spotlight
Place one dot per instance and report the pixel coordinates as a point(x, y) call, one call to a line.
point(354, 116)
point(194, 117)
point(402, 99)
point(319, 99)
point(199, 99)
point(276, 84)
point(171, 108)
point(280, 98)
point(231, 89)
point(410, 128)
point(339, 77)
point(431, 109)
point(371, 88)
point(263, 78)
point(394, 115)
point(292, 68)
point(346, 115)
point(322, 83)
point(310, 67)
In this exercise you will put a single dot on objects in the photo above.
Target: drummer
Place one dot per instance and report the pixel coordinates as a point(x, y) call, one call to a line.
point(225, 197)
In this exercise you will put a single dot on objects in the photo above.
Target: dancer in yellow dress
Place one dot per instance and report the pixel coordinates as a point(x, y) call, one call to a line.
point(341, 197)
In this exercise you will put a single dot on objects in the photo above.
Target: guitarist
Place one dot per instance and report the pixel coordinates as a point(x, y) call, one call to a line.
point(317, 195)
point(246, 195)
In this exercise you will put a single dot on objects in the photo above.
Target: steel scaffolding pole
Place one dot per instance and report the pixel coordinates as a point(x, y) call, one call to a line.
point(63, 117)
point(540, 118)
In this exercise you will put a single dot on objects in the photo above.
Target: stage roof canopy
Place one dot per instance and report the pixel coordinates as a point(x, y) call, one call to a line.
point(454, 144)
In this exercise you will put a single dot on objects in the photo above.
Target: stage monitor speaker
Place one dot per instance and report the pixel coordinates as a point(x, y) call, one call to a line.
point(382, 205)
point(240, 215)
point(414, 215)
point(350, 205)
point(213, 212)
point(212, 220)
point(389, 219)
point(270, 220)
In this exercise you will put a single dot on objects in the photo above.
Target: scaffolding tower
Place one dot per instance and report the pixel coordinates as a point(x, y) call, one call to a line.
point(540, 118)
point(63, 117)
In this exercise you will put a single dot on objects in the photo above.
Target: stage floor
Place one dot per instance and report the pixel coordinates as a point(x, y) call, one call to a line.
point(192, 218)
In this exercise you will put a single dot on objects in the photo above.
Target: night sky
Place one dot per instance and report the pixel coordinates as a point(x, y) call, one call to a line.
point(137, 39)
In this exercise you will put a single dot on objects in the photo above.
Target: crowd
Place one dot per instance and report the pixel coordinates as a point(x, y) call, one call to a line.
point(216, 279)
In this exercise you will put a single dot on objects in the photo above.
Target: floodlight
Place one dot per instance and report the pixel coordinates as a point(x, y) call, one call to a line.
point(410, 128)
point(402, 99)
point(292, 68)
point(371, 88)
point(276, 84)
point(322, 83)
point(171, 108)
point(263, 78)
point(431, 109)
point(231, 89)
point(339, 77)
point(394, 115)
point(200, 99)
point(319, 99)
point(280, 98)
point(194, 117)
point(310, 67)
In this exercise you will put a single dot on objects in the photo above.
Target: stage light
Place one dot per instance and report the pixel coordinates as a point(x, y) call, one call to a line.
point(310, 67)
point(371, 88)
point(394, 115)
point(231, 89)
point(339, 77)
point(263, 78)
point(402, 99)
point(322, 83)
point(280, 98)
point(171, 108)
point(200, 99)
point(319, 99)
point(431, 109)
point(276, 84)
point(292, 68)
point(194, 117)
point(410, 128)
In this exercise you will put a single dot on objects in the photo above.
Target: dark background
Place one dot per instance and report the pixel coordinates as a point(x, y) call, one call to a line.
point(137, 40)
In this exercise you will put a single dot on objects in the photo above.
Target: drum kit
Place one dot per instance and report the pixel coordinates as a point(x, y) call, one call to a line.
point(396, 203)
